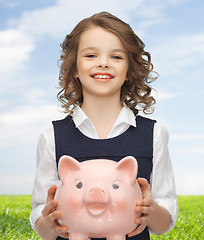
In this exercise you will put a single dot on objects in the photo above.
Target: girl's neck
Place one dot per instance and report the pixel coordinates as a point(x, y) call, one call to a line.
point(103, 112)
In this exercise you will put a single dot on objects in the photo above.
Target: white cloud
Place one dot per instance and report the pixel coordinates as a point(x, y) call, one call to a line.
point(9, 4)
point(24, 124)
point(191, 184)
point(27, 115)
point(163, 95)
point(16, 184)
point(195, 148)
point(36, 95)
point(15, 48)
point(172, 57)
point(187, 137)
point(191, 150)
point(59, 19)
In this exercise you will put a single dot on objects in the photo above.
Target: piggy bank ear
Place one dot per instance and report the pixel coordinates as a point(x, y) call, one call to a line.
point(67, 165)
point(128, 167)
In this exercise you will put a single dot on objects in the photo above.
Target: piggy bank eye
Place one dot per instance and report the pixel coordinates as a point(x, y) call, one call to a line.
point(78, 183)
point(116, 184)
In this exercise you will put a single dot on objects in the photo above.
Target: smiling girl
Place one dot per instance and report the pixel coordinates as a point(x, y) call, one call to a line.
point(102, 66)
point(104, 79)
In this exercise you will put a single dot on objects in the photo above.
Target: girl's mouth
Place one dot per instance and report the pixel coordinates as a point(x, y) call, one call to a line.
point(102, 77)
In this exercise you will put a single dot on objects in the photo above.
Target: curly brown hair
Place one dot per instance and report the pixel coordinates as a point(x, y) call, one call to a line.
point(135, 92)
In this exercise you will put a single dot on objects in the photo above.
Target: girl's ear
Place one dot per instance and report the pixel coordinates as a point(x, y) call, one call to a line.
point(76, 75)
point(66, 166)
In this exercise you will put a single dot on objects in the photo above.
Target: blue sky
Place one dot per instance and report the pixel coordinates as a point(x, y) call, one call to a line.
point(30, 35)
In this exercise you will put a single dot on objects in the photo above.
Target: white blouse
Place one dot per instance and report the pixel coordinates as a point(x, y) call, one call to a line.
point(161, 180)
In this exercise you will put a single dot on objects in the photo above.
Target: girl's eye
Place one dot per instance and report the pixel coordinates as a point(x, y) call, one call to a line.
point(116, 57)
point(91, 56)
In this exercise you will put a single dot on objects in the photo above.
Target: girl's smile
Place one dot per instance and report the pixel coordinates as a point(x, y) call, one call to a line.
point(102, 63)
point(102, 77)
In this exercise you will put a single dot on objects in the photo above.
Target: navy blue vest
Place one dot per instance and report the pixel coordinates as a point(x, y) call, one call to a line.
point(137, 142)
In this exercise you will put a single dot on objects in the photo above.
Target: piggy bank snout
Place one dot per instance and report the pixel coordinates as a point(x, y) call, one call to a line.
point(97, 199)
point(97, 194)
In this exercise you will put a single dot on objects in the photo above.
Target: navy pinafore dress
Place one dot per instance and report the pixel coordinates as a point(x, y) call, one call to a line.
point(136, 142)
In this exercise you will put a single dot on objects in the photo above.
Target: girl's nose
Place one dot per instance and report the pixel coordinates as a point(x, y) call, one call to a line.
point(103, 63)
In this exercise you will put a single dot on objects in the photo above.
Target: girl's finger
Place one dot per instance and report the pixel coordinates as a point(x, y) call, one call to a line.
point(49, 207)
point(145, 187)
point(64, 235)
point(53, 217)
point(51, 193)
point(143, 210)
point(61, 230)
point(144, 202)
point(138, 230)
point(141, 220)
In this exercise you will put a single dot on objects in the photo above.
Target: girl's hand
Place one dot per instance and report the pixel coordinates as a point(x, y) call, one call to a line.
point(51, 215)
point(146, 206)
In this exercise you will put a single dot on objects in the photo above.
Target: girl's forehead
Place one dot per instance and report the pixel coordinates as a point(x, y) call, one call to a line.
point(97, 37)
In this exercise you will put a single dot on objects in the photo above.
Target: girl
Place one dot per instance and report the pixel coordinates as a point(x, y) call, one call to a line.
point(104, 79)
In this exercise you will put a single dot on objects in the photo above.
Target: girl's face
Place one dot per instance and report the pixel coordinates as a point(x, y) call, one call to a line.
point(102, 63)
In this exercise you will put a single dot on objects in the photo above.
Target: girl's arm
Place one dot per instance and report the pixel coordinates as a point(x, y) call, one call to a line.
point(43, 216)
point(47, 225)
point(155, 217)
point(161, 203)
point(162, 180)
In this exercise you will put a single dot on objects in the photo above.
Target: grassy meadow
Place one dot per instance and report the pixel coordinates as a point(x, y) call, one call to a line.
point(15, 211)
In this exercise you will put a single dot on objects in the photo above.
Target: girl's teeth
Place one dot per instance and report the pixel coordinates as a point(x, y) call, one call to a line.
point(102, 76)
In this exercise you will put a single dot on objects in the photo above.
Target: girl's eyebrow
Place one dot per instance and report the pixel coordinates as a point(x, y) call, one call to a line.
point(119, 50)
point(94, 48)
point(88, 48)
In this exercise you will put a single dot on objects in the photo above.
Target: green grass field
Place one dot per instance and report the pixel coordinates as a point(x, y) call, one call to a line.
point(15, 211)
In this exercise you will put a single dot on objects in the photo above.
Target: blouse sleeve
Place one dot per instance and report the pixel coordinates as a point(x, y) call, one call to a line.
point(46, 174)
point(162, 178)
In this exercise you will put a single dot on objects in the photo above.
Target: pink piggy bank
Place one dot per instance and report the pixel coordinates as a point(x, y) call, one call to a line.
point(98, 197)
